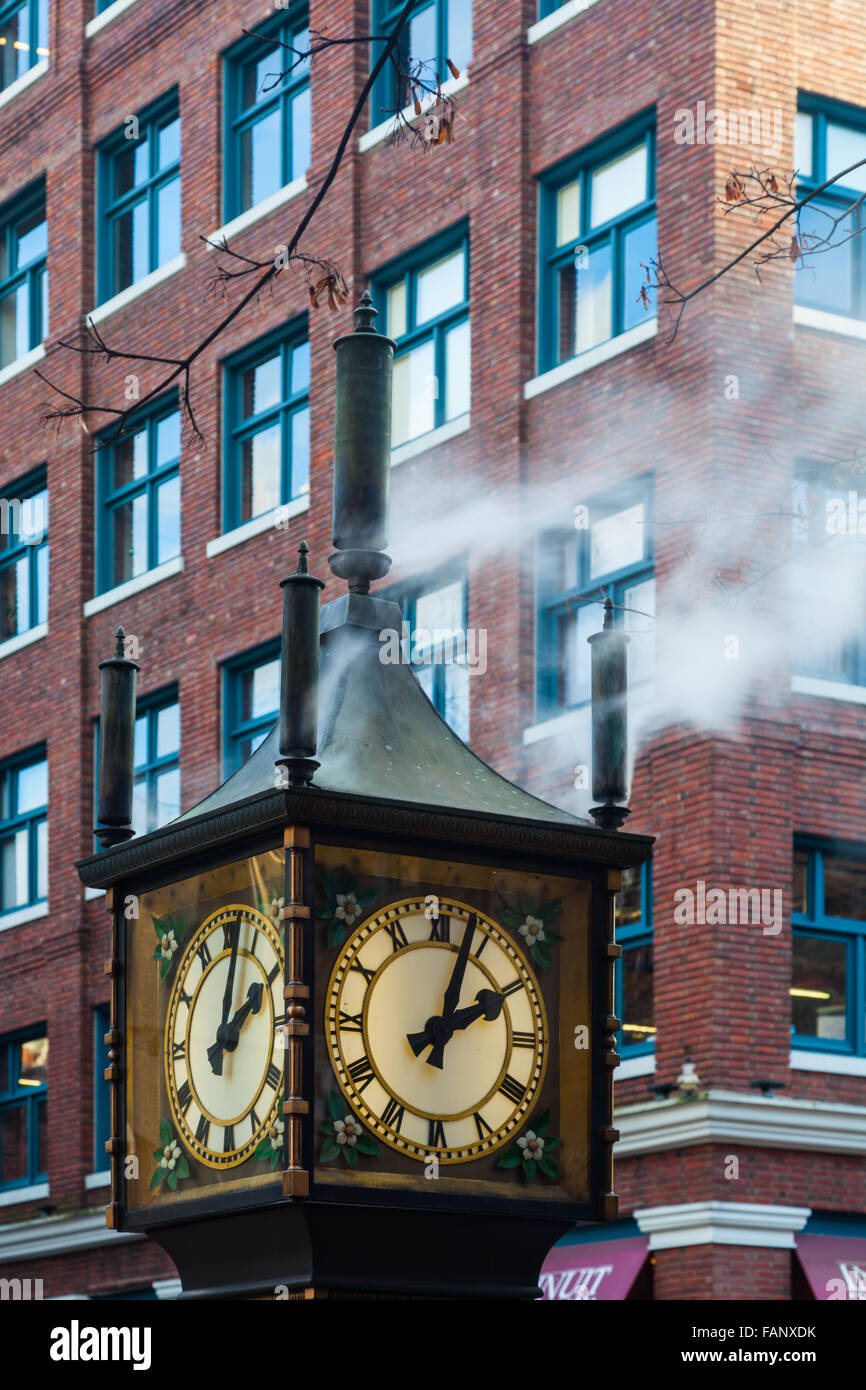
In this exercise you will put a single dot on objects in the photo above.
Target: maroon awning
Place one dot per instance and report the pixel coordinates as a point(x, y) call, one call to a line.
point(603, 1270)
point(834, 1265)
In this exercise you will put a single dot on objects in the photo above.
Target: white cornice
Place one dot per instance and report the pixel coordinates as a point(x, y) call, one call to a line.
point(722, 1223)
point(731, 1117)
point(58, 1235)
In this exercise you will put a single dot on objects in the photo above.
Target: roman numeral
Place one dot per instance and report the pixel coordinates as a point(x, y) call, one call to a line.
point(361, 1072)
point(484, 940)
point(393, 1114)
point(202, 1131)
point(184, 1098)
point(272, 975)
point(435, 1134)
point(228, 1138)
point(272, 1075)
point(522, 1039)
point(204, 955)
point(231, 934)
point(351, 1023)
point(397, 935)
point(184, 997)
point(509, 989)
point(254, 1121)
point(512, 1089)
point(362, 970)
point(481, 1124)
point(440, 928)
point(178, 1051)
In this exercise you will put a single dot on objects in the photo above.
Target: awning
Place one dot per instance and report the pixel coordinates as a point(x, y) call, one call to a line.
point(604, 1269)
point(835, 1266)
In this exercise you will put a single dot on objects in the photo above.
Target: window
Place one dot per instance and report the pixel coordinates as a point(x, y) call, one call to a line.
point(156, 778)
point(138, 500)
point(23, 556)
point(267, 115)
point(23, 38)
point(634, 971)
point(425, 304)
point(251, 702)
point(436, 31)
point(267, 393)
point(598, 235)
point(828, 966)
point(23, 832)
point(101, 1088)
point(828, 583)
point(23, 276)
point(608, 551)
point(828, 139)
point(23, 1108)
point(437, 647)
point(139, 198)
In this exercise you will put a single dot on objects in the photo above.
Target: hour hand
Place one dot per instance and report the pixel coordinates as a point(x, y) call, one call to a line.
point(437, 1031)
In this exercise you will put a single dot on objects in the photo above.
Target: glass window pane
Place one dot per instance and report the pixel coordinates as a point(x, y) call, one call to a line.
point(33, 1062)
point(131, 166)
point(131, 247)
point(396, 323)
point(300, 452)
point(167, 796)
point(14, 325)
point(262, 387)
point(42, 584)
point(846, 146)
point(168, 520)
point(11, 611)
point(440, 608)
point(574, 653)
point(168, 439)
point(32, 234)
point(818, 987)
point(301, 126)
point(826, 279)
point(459, 38)
point(257, 75)
point(140, 815)
point(130, 458)
point(261, 160)
point(169, 143)
point(617, 540)
point(422, 36)
point(414, 394)
point(845, 887)
point(456, 707)
point(639, 601)
point(301, 41)
point(440, 286)
point(800, 901)
point(618, 185)
point(140, 754)
point(457, 371)
point(13, 871)
point(42, 859)
point(568, 213)
point(260, 690)
point(130, 539)
point(803, 144)
point(32, 787)
point(628, 905)
point(261, 472)
point(13, 1144)
point(168, 222)
point(592, 299)
point(42, 1134)
point(168, 730)
point(14, 47)
point(637, 994)
point(300, 368)
point(639, 249)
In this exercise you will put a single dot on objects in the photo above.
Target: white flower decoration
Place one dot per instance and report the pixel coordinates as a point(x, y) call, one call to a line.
point(347, 1131)
point(348, 908)
point(533, 930)
point(532, 1146)
point(277, 904)
point(275, 1133)
point(170, 1155)
point(167, 945)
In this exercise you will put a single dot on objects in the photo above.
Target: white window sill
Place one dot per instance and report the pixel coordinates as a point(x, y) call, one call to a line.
point(22, 915)
point(23, 639)
point(829, 690)
point(21, 364)
point(801, 1060)
point(568, 723)
point(556, 20)
point(34, 1193)
point(385, 128)
point(430, 440)
point(268, 521)
point(593, 357)
point(128, 296)
point(133, 586)
point(94, 1180)
point(91, 893)
point(255, 214)
point(23, 82)
point(112, 13)
point(829, 323)
point(167, 1288)
point(635, 1066)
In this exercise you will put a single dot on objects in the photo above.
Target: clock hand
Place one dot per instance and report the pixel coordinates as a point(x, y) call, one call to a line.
point(215, 1051)
point(438, 1030)
point(252, 1006)
point(455, 984)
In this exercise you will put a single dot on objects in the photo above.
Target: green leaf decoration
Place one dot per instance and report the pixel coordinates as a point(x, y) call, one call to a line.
point(330, 1150)
point(365, 899)
point(172, 1179)
point(165, 967)
point(541, 955)
point(275, 1158)
point(165, 1131)
point(158, 1177)
point(179, 931)
point(351, 1155)
point(511, 918)
point(527, 906)
point(528, 1169)
point(510, 1159)
point(336, 1105)
point(325, 910)
point(366, 1145)
point(336, 931)
point(549, 912)
point(540, 1124)
point(158, 1153)
point(549, 1167)
point(550, 1143)
point(263, 1148)
point(182, 1169)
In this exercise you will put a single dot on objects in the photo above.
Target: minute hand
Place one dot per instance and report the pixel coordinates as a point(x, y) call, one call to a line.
point(455, 984)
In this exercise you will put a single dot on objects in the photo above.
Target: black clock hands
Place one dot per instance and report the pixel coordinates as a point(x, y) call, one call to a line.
point(439, 1029)
point(228, 1034)
point(488, 1005)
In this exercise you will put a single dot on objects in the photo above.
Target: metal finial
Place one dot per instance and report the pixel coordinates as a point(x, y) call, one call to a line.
point(608, 613)
point(119, 642)
point(303, 551)
point(366, 314)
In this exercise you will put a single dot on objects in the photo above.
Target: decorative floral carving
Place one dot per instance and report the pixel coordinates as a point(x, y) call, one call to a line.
point(341, 904)
point(171, 1164)
point(532, 1151)
point(535, 925)
point(169, 935)
point(344, 1134)
point(271, 1146)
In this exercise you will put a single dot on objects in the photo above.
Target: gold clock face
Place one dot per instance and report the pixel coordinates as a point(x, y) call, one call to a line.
point(437, 1030)
point(223, 1068)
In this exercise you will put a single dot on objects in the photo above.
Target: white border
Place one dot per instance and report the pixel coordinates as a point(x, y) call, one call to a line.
point(23, 639)
point(829, 323)
point(33, 1193)
point(829, 690)
point(133, 586)
point(254, 214)
point(23, 82)
point(95, 1180)
point(413, 447)
point(259, 524)
point(722, 1223)
point(58, 1235)
point(644, 1065)
point(569, 10)
point(22, 915)
point(385, 128)
point(29, 359)
point(100, 20)
point(804, 1060)
point(732, 1117)
point(593, 357)
point(132, 292)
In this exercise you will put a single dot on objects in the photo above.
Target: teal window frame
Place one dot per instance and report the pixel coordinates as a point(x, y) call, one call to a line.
point(34, 14)
point(29, 275)
point(553, 258)
point(148, 771)
point(236, 729)
point(811, 495)
point(548, 7)
point(291, 28)
point(238, 427)
point(110, 497)
point(385, 96)
point(111, 207)
point(101, 1087)
point(407, 268)
point(823, 111)
point(555, 602)
point(815, 922)
point(407, 597)
point(633, 936)
point(12, 821)
point(33, 555)
point(29, 1098)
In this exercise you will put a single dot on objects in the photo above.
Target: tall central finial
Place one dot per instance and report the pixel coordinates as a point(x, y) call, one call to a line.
point(362, 451)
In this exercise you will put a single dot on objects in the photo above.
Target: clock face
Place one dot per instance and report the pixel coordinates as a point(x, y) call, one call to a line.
point(223, 1067)
point(437, 1030)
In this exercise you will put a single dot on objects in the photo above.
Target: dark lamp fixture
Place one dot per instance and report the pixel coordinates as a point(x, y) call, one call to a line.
point(609, 723)
point(299, 673)
point(116, 746)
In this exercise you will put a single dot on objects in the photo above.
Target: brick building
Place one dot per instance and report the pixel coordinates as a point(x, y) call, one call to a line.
point(586, 451)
